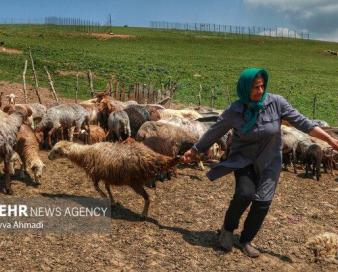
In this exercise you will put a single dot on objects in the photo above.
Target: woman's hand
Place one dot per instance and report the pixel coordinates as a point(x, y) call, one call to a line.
point(190, 156)
point(323, 135)
point(334, 143)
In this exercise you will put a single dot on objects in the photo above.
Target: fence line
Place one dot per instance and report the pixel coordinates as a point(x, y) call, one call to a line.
point(233, 29)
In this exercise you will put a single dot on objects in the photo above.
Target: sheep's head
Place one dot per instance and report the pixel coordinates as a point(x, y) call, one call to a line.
point(106, 106)
point(154, 114)
point(11, 98)
point(100, 96)
point(37, 167)
point(59, 150)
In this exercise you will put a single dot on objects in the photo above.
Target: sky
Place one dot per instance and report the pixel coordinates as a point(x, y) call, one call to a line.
point(318, 17)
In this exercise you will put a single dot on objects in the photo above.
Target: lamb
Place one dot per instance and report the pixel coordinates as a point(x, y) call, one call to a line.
point(118, 126)
point(97, 134)
point(27, 147)
point(324, 246)
point(314, 156)
point(129, 163)
point(64, 116)
point(9, 127)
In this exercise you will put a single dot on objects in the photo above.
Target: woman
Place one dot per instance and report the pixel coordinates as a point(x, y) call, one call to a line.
point(255, 155)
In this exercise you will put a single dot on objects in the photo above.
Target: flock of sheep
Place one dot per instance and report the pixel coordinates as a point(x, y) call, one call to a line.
point(300, 148)
point(147, 140)
point(124, 143)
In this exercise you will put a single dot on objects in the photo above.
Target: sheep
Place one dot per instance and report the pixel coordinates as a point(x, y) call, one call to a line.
point(314, 156)
point(9, 127)
point(107, 106)
point(324, 246)
point(217, 151)
point(138, 115)
point(118, 126)
point(185, 113)
point(97, 134)
point(11, 98)
point(64, 116)
point(93, 112)
point(27, 147)
point(290, 142)
point(38, 111)
point(165, 138)
point(328, 160)
point(129, 163)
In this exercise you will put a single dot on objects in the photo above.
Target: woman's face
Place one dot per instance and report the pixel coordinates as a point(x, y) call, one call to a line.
point(257, 89)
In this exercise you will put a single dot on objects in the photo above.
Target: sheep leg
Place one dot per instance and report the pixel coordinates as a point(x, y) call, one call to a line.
point(138, 188)
point(98, 189)
point(23, 170)
point(50, 133)
point(7, 188)
point(107, 185)
point(294, 160)
point(71, 133)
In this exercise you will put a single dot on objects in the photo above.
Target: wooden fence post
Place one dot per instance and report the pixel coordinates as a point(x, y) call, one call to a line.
point(24, 82)
point(90, 81)
point(51, 85)
point(35, 77)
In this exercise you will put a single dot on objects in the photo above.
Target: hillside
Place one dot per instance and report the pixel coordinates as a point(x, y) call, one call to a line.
point(299, 69)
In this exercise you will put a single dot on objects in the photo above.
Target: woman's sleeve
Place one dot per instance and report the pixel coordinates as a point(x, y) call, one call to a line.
point(295, 118)
point(216, 131)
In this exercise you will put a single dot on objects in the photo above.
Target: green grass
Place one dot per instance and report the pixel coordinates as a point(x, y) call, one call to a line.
point(299, 69)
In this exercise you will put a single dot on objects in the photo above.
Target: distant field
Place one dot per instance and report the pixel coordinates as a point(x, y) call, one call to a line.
point(298, 69)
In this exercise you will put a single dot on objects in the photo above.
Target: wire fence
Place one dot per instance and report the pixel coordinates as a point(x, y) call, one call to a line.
point(78, 24)
point(244, 31)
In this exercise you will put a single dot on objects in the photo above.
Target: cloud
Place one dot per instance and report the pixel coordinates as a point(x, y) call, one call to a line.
point(319, 17)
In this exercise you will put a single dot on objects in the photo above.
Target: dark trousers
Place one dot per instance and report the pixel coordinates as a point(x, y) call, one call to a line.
point(246, 184)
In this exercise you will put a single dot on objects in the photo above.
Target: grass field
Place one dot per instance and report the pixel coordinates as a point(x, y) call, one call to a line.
point(299, 69)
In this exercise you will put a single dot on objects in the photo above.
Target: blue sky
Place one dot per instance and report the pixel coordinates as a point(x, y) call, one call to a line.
point(319, 17)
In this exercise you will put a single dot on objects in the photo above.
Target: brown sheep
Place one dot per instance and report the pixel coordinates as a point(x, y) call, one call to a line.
point(96, 135)
point(27, 147)
point(128, 163)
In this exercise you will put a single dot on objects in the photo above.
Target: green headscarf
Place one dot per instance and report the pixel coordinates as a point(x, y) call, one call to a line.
point(244, 86)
